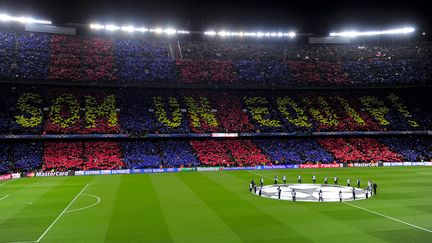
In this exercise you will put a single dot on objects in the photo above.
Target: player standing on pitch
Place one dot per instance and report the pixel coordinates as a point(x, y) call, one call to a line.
point(358, 183)
point(284, 179)
point(275, 180)
point(374, 188)
point(313, 179)
point(299, 179)
point(262, 181)
point(354, 193)
point(325, 180)
point(335, 180)
point(348, 182)
point(320, 196)
point(340, 196)
point(293, 195)
point(279, 192)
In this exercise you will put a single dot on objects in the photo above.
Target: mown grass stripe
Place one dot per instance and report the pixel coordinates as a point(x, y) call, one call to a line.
point(249, 222)
point(388, 217)
point(188, 217)
point(137, 213)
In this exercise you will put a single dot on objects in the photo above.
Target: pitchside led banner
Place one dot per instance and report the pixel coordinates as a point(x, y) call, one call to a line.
point(307, 166)
point(5, 177)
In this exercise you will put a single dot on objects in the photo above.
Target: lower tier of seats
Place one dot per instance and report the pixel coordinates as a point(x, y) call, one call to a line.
point(90, 155)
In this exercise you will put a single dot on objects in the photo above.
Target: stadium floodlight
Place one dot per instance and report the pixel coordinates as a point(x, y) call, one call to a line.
point(97, 27)
point(170, 31)
point(292, 34)
point(242, 34)
point(406, 30)
point(253, 34)
point(129, 29)
point(183, 32)
point(111, 27)
point(210, 33)
point(142, 29)
point(223, 33)
point(24, 20)
point(157, 30)
point(132, 29)
point(260, 34)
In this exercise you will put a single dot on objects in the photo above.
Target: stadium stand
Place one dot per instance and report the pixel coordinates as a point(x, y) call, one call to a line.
point(136, 61)
point(64, 156)
point(53, 110)
point(173, 128)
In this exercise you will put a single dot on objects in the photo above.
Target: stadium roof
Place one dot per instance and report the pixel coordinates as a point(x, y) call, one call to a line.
point(322, 17)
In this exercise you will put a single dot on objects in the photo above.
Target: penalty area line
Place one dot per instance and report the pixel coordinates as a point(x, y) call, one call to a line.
point(388, 217)
point(1, 198)
point(58, 217)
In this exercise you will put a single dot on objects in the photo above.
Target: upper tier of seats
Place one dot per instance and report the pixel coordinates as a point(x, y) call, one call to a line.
point(26, 56)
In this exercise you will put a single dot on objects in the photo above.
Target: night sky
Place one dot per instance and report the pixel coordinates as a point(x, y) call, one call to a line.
point(253, 15)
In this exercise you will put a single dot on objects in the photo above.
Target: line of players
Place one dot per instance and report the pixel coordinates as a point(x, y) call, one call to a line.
point(370, 189)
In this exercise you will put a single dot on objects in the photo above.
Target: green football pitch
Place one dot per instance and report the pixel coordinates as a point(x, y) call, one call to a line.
point(213, 207)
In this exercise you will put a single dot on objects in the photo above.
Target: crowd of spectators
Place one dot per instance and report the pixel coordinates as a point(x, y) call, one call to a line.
point(72, 111)
point(177, 154)
point(88, 59)
point(66, 58)
point(385, 72)
point(230, 113)
point(20, 157)
point(206, 72)
point(359, 150)
point(98, 59)
point(138, 155)
point(229, 153)
point(140, 61)
point(284, 51)
point(318, 73)
point(64, 156)
point(5, 163)
point(153, 154)
point(264, 73)
point(38, 110)
point(33, 56)
point(50, 57)
point(294, 151)
point(411, 148)
point(7, 54)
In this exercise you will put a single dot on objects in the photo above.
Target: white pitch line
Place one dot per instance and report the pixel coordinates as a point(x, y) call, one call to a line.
point(1, 184)
point(424, 173)
point(58, 217)
point(388, 217)
point(89, 206)
point(4, 197)
point(53, 185)
point(64, 210)
point(259, 174)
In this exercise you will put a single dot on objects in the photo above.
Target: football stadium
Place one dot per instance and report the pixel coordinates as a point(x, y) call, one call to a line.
point(120, 132)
